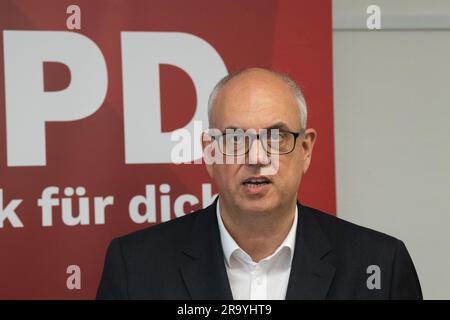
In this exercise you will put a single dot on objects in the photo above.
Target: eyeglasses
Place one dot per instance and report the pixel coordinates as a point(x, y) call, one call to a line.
point(236, 142)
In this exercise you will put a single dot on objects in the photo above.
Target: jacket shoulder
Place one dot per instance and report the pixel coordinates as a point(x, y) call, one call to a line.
point(342, 232)
point(357, 252)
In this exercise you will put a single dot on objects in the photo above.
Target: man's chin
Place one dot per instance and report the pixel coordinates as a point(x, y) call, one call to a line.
point(258, 205)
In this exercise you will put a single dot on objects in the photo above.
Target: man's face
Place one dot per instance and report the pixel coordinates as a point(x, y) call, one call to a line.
point(259, 100)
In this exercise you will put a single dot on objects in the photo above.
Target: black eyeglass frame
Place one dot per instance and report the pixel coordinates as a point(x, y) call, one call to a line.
point(253, 136)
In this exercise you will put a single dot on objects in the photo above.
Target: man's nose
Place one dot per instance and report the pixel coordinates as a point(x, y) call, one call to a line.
point(257, 155)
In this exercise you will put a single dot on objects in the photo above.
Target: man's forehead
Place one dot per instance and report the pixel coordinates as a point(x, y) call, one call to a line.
point(257, 112)
point(246, 121)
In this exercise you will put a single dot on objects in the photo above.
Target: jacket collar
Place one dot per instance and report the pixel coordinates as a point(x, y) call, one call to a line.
point(311, 275)
point(202, 264)
point(203, 268)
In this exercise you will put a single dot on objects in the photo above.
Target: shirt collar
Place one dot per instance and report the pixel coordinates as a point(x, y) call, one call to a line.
point(230, 246)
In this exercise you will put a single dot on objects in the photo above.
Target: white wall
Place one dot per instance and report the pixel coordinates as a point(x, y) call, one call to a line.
point(392, 128)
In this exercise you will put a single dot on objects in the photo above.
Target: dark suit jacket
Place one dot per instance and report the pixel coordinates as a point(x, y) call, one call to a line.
point(183, 259)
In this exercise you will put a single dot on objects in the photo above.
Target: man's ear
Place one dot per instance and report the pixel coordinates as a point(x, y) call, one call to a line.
point(307, 145)
point(205, 140)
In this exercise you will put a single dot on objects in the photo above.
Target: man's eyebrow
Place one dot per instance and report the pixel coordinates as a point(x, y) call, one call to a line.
point(279, 125)
point(232, 128)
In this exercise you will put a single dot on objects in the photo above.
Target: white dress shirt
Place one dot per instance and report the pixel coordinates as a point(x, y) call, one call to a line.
point(267, 279)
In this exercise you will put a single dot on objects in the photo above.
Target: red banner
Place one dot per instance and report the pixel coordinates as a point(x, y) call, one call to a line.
point(89, 90)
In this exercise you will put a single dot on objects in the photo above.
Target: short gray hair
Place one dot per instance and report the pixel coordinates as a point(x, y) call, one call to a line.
point(301, 103)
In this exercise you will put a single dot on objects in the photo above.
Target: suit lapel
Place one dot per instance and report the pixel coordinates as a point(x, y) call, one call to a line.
point(203, 268)
point(202, 265)
point(311, 275)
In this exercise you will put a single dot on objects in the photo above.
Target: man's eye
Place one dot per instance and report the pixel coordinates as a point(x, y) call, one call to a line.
point(277, 136)
point(236, 138)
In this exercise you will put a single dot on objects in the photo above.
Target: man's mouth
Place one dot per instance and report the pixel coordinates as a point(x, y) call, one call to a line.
point(256, 181)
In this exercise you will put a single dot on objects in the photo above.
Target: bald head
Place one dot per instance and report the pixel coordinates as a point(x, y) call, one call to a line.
point(252, 80)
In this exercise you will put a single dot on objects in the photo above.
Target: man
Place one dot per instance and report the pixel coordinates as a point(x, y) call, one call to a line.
point(256, 241)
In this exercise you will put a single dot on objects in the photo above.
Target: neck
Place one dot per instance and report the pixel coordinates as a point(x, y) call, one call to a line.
point(258, 234)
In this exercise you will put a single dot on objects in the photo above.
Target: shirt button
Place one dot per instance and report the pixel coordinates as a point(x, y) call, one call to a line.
point(259, 281)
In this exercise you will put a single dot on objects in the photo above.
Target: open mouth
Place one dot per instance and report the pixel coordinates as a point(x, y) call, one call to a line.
point(256, 181)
